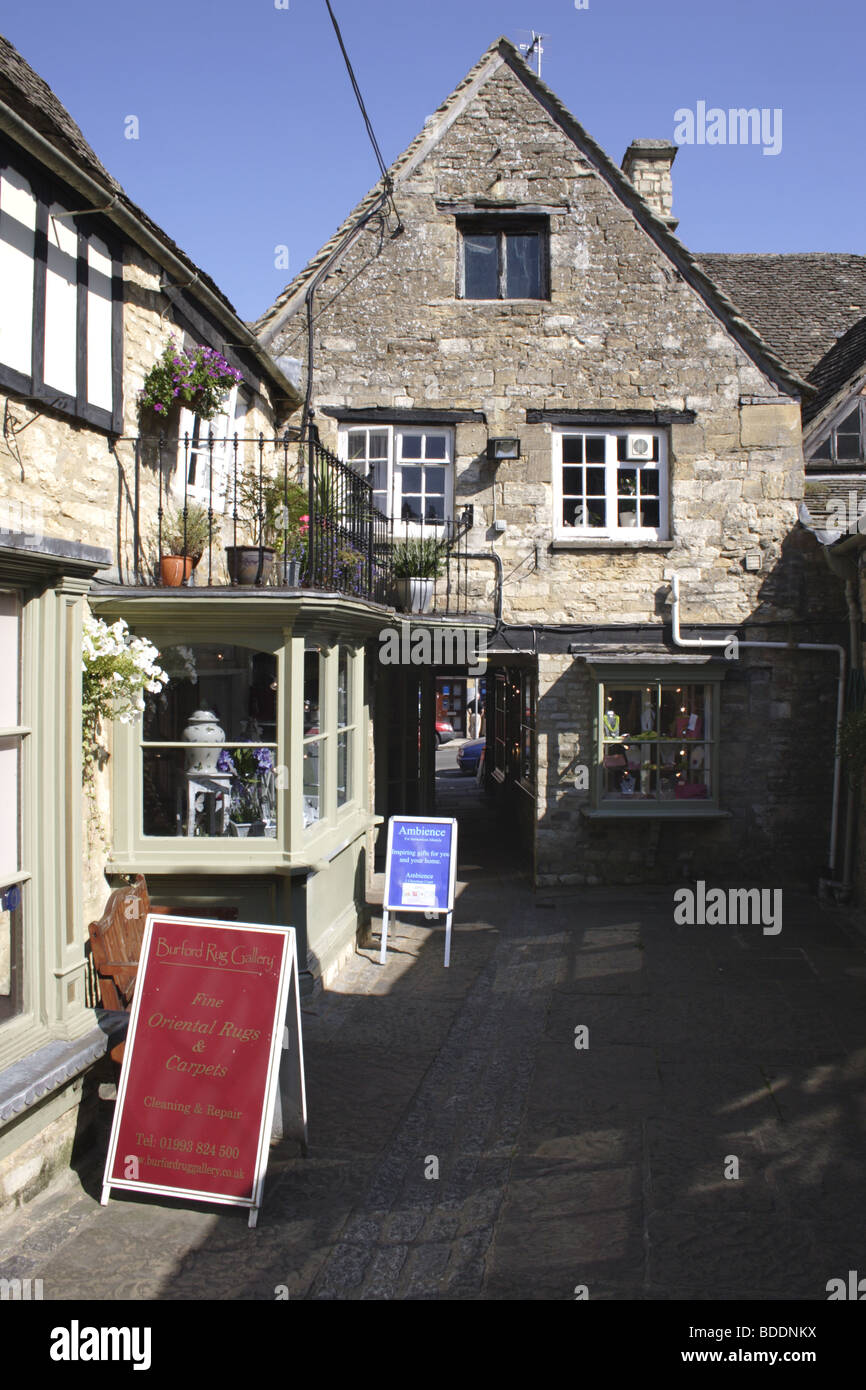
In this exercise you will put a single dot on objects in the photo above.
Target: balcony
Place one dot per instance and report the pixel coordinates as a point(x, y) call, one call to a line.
point(212, 513)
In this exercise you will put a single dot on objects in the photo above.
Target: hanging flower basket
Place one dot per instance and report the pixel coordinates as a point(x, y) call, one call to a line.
point(199, 379)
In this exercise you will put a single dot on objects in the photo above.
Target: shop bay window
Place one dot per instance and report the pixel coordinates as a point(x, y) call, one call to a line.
point(658, 743)
point(410, 468)
point(209, 745)
point(610, 484)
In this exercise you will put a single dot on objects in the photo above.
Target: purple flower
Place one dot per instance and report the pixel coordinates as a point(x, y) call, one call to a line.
point(264, 760)
point(157, 405)
point(225, 763)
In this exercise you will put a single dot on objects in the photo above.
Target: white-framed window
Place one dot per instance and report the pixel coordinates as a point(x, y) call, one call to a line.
point(61, 295)
point(210, 454)
point(411, 468)
point(610, 483)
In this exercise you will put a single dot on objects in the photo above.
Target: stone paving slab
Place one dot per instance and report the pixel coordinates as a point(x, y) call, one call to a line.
point(462, 1146)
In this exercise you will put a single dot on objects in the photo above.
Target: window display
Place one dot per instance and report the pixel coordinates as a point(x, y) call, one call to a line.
point(209, 744)
point(657, 742)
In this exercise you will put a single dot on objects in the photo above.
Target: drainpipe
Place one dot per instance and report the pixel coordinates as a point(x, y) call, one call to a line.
point(703, 642)
point(496, 558)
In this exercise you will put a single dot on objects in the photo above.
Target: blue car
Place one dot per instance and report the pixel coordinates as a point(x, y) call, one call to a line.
point(469, 754)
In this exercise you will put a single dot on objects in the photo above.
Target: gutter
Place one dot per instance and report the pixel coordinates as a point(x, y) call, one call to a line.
point(136, 231)
point(703, 642)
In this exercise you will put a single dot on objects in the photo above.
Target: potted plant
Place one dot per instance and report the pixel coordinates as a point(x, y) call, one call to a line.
point(269, 511)
point(198, 378)
point(417, 564)
point(184, 538)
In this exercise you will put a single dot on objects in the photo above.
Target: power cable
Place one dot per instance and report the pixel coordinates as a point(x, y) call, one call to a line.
point(386, 177)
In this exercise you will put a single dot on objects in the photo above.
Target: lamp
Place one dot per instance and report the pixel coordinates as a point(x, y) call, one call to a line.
point(503, 447)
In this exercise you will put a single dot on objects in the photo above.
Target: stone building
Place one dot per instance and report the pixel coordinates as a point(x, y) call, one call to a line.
point(509, 341)
point(91, 486)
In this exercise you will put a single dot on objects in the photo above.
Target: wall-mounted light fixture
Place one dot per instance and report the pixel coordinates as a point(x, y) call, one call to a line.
point(503, 448)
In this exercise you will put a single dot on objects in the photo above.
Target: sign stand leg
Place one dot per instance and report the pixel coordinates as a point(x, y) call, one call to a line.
point(254, 1217)
point(448, 939)
point(106, 1193)
point(384, 951)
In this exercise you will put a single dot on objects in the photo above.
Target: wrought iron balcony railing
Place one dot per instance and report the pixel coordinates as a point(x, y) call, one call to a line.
point(216, 512)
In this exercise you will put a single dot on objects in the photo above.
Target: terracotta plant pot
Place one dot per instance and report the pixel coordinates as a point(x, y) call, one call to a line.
point(174, 569)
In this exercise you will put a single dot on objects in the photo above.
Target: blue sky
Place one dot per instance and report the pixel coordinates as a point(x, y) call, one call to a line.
point(249, 136)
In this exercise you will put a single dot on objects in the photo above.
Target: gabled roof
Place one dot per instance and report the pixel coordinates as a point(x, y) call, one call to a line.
point(503, 51)
point(801, 304)
point(839, 372)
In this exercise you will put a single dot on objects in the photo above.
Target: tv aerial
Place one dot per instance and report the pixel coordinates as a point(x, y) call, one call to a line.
point(535, 46)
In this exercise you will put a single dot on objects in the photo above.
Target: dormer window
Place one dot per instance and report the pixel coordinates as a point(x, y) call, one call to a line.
point(503, 257)
point(845, 445)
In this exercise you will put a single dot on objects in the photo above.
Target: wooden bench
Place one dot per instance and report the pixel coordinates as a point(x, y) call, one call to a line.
point(115, 944)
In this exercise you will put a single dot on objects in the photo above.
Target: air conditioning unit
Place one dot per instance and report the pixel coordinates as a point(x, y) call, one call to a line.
point(639, 446)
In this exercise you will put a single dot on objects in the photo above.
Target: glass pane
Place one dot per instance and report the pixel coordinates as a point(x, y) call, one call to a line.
point(595, 482)
point(410, 509)
point(595, 446)
point(823, 450)
point(312, 782)
point(9, 781)
point(434, 509)
point(572, 448)
point(572, 513)
point(848, 446)
point(235, 798)
point(412, 480)
point(378, 444)
point(434, 481)
point(343, 670)
point(649, 514)
point(344, 768)
point(312, 677)
point(9, 663)
point(523, 265)
point(436, 446)
point(357, 445)
point(11, 981)
point(410, 446)
point(572, 482)
point(481, 262)
point(851, 423)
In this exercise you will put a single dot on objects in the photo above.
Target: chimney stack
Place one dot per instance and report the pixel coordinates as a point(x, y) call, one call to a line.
point(648, 164)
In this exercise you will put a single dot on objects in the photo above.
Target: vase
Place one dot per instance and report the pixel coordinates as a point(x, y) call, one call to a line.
point(174, 570)
point(203, 727)
point(248, 565)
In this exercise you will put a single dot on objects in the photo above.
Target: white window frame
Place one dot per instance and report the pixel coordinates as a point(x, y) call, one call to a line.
point(611, 466)
point(223, 427)
point(396, 434)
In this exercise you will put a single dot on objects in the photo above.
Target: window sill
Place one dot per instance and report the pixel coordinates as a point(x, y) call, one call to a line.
point(670, 810)
point(25, 1083)
point(610, 543)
